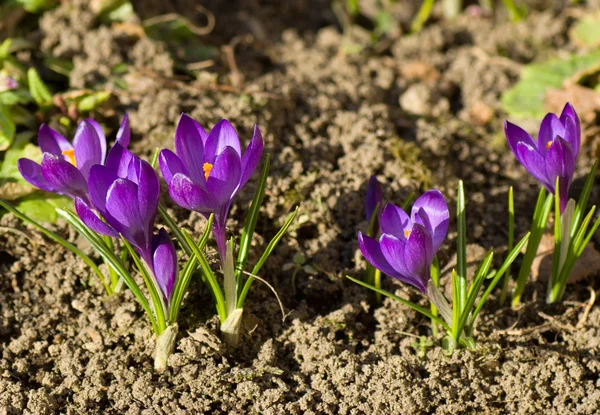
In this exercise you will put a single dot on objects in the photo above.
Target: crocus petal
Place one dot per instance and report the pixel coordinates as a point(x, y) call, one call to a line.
point(190, 196)
point(516, 135)
point(251, 157)
point(418, 255)
point(87, 215)
point(90, 148)
point(63, 177)
point(431, 210)
point(533, 162)
point(101, 136)
point(148, 188)
point(124, 133)
point(190, 148)
point(165, 262)
point(170, 165)
point(100, 180)
point(559, 163)
point(572, 137)
point(123, 215)
point(395, 221)
point(51, 141)
point(574, 140)
point(32, 172)
point(224, 177)
point(393, 250)
point(371, 250)
point(221, 136)
point(118, 160)
point(373, 198)
point(550, 128)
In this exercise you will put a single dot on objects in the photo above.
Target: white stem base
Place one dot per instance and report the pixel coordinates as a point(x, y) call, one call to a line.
point(230, 329)
point(165, 345)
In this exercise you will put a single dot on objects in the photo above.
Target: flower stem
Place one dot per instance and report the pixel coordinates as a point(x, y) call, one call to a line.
point(538, 226)
point(511, 241)
point(435, 278)
point(220, 231)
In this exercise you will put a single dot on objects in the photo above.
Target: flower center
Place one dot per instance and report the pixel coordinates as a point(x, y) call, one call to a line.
point(548, 144)
point(406, 233)
point(70, 153)
point(207, 167)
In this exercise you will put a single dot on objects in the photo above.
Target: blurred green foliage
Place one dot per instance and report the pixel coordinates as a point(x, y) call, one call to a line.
point(527, 99)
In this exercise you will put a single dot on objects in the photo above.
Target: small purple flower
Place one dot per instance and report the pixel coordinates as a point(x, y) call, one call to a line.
point(555, 152)
point(407, 245)
point(209, 169)
point(7, 83)
point(373, 201)
point(65, 167)
point(125, 194)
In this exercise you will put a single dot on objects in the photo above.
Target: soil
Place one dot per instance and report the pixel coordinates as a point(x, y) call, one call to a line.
point(418, 111)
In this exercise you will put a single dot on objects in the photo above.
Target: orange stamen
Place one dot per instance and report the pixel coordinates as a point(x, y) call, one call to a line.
point(406, 233)
point(207, 167)
point(70, 153)
point(548, 144)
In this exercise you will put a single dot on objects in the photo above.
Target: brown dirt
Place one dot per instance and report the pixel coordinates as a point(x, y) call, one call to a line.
point(422, 112)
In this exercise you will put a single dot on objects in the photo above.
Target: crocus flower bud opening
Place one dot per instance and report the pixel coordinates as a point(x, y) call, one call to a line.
point(408, 244)
point(553, 154)
point(209, 169)
point(66, 166)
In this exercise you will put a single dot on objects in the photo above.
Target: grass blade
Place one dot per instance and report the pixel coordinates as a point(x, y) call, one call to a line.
point(407, 303)
point(538, 226)
point(250, 223)
point(584, 197)
point(460, 297)
point(270, 247)
point(480, 275)
point(111, 260)
point(513, 254)
point(160, 307)
point(210, 277)
point(511, 241)
point(61, 241)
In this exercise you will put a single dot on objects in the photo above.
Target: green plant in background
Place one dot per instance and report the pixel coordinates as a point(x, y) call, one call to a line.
point(452, 8)
point(527, 99)
point(25, 99)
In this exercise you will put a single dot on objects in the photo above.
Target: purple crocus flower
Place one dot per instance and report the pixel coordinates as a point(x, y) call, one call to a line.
point(373, 201)
point(125, 193)
point(555, 152)
point(209, 169)
point(407, 245)
point(65, 167)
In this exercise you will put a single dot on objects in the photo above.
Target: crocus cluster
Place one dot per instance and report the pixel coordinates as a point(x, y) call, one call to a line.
point(407, 244)
point(117, 196)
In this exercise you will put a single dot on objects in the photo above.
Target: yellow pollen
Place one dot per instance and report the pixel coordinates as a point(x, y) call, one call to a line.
point(548, 144)
point(406, 233)
point(70, 153)
point(207, 167)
